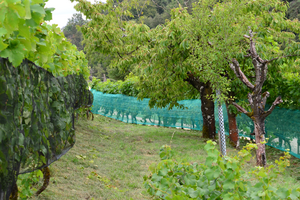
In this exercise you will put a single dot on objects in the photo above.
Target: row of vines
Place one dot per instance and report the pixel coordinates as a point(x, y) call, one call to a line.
point(42, 84)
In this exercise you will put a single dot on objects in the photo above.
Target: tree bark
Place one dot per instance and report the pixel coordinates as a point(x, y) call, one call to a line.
point(208, 112)
point(207, 106)
point(256, 98)
point(261, 157)
point(233, 130)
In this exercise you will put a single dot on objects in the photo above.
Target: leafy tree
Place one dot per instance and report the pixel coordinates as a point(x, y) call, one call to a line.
point(130, 42)
point(156, 12)
point(71, 31)
point(293, 11)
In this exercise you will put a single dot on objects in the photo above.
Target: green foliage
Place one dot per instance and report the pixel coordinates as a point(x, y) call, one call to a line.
point(199, 42)
point(72, 32)
point(127, 87)
point(217, 178)
point(24, 34)
point(27, 184)
point(36, 117)
point(36, 108)
point(166, 152)
point(293, 11)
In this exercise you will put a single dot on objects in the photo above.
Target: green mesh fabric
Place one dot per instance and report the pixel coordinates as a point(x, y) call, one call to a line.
point(36, 118)
point(281, 126)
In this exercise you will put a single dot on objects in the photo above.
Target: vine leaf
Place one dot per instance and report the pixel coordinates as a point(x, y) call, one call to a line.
point(3, 46)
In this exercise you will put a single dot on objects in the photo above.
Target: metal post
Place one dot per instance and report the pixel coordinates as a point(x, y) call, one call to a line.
point(221, 125)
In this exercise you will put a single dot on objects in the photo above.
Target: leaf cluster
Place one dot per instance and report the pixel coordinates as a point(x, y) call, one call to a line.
point(217, 178)
point(25, 34)
point(127, 87)
point(36, 117)
point(198, 44)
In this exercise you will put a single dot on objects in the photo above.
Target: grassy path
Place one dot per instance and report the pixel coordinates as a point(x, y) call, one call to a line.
point(110, 159)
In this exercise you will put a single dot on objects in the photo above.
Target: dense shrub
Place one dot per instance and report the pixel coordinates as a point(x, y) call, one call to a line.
point(128, 87)
point(217, 178)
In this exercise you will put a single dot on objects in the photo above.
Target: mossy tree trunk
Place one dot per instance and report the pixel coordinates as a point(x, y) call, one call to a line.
point(256, 98)
point(208, 112)
point(207, 106)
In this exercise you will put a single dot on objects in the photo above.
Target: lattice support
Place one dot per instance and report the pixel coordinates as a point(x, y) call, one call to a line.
point(221, 125)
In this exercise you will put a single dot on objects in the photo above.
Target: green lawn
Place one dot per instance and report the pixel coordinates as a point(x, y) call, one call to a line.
point(110, 159)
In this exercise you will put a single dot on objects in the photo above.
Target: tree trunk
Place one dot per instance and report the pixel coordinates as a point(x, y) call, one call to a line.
point(208, 112)
point(207, 105)
point(233, 130)
point(261, 158)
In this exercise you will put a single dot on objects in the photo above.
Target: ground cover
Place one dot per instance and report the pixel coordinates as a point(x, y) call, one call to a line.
point(110, 159)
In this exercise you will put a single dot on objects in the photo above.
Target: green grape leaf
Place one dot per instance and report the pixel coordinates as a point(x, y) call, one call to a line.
point(2, 45)
point(3, 31)
point(31, 23)
point(13, 1)
point(27, 44)
point(15, 53)
point(36, 1)
point(27, 9)
point(11, 21)
point(48, 15)
point(23, 29)
point(3, 11)
point(20, 9)
point(38, 9)
point(228, 184)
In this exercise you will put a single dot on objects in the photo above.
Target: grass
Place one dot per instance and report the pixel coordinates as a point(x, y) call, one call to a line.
point(110, 159)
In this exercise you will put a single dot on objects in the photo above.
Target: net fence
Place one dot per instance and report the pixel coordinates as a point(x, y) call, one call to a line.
point(282, 129)
point(36, 118)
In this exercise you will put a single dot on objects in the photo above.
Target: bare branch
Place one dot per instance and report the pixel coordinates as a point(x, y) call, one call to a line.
point(240, 108)
point(186, 2)
point(159, 5)
point(250, 99)
point(139, 14)
point(259, 64)
point(252, 45)
point(264, 71)
point(111, 43)
point(238, 72)
point(268, 61)
point(265, 95)
point(277, 101)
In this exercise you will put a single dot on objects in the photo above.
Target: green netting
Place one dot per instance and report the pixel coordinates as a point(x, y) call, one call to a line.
point(281, 126)
point(36, 118)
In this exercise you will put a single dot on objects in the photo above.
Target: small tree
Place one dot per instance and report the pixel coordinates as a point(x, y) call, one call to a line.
point(256, 98)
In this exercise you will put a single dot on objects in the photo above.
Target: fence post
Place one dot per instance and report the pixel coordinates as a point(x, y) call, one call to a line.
point(221, 125)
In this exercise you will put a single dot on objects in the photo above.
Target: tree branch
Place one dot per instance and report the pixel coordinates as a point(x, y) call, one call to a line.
point(268, 61)
point(277, 101)
point(111, 43)
point(250, 98)
point(238, 72)
point(264, 99)
point(240, 108)
point(259, 64)
point(194, 81)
